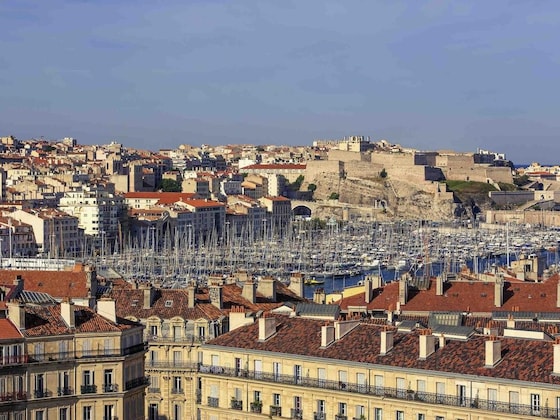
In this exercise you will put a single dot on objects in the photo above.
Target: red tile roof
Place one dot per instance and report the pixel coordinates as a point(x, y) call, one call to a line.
point(465, 296)
point(276, 166)
point(8, 331)
point(302, 337)
point(71, 284)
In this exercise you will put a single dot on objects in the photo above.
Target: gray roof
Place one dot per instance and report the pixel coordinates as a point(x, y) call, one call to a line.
point(38, 298)
point(314, 309)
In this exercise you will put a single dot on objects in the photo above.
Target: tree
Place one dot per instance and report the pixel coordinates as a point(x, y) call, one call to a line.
point(170, 185)
point(383, 173)
point(334, 196)
point(311, 187)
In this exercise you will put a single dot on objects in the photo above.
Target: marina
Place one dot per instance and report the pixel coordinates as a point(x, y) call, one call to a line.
point(338, 254)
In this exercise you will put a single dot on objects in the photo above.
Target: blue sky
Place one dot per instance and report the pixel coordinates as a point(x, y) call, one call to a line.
point(153, 74)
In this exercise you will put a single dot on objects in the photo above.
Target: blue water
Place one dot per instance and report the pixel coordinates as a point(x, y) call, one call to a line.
point(485, 264)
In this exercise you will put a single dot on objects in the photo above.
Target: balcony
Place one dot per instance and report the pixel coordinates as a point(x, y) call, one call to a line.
point(177, 391)
point(13, 360)
point(213, 402)
point(236, 404)
point(256, 407)
point(13, 396)
point(384, 392)
point(170, 338)
point(152, 390)
point(320, 416)
point(110, 388)
point(63, 391)
point(296, 414)
point(340, 417)
point(41, 393)
point(190, 366)
point(275, 410)
point(134, 383)
point(88, 389)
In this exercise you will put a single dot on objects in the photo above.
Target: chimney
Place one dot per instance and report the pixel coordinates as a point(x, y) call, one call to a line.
point(191, 289)
point(368, 289)
point(510, 323)
point(499, 290)
point(249, 291)
point(215, 294)
point(491, 329)
point(267, 327)
point(387, 337)
point(439, 285)
point(107, 309)
point(442, 341)
point(238, 318)
point(327, 335)
point(319, 296)
point(267, 288)
point(18, 283)
point(296, 284)
point(91, 280)
point(427, 344)
point(492, 351)
point(148, 295)
point(403, 290)
point(556, 357)
point(67, 312)
point(16, 314)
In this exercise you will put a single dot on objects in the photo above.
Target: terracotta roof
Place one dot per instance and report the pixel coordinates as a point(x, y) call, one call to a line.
point(162, 197)
point(71, 284)
point(46, 320)
point(465, 296)
point(302, 337)
point(8, 331)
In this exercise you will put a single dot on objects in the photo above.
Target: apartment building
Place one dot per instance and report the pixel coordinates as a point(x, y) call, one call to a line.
point(16, 238)
point(178, 321)
point(301, 367)
point(63, 361)
point(57, 233)
point(98, 209)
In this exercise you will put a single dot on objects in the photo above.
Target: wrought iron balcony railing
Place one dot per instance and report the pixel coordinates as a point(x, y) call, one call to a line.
point(385, 392)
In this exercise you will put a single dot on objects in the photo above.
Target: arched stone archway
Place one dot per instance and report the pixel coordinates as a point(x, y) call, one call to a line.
point(302, 211)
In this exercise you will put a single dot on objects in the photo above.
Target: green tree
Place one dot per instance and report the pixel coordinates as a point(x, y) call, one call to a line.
point(311, 187)
point(383, 173)
point(334, 196)
point(170, 185)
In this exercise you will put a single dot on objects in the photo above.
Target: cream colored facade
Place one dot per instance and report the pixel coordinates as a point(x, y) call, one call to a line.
point(237, 383)
point(68, 373)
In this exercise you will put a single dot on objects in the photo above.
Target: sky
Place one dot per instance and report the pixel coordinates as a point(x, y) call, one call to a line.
point(431, 75)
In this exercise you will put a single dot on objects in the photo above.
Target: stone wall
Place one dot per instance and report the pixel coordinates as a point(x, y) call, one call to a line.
point(315, 169)
point(347, 156)
point(543, 218)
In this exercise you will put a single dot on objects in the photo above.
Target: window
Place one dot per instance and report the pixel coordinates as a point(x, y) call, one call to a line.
point(63, 413)
point(86, 347)
point(276, 400)
point(108, 411)
point(39, 385)
point(276, 370)
point(322, 376)
point(360, 411)
point(152, 412)
point(176, 412)
point(237, 366)
point(320, 406)
point(378, 414)
point(108, 347)
point(492, 397)
point(297, 374)
point(514, 402)
point(378, 382)
point(177, 358)
point(342, 379)
point(342, 408)
point(88, 377)
point(177, 384)
point(399, 415)
point(421, 386)
point(87, 412)
point(297, 402)
point(440, 392)
point(440, 418)
point(39, 415)
point(63, 383)
point(420, 416)
point(462, 395)
point(535, 404)
point(154, 330)
point(258, 369)
point(361, 381)
point(401, 388)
